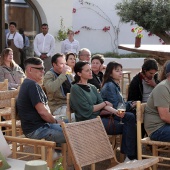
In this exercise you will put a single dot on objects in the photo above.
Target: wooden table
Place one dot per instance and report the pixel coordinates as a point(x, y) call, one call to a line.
point(160, 52)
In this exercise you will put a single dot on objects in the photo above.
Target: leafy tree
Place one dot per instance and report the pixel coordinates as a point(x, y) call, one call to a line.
point(152, 15)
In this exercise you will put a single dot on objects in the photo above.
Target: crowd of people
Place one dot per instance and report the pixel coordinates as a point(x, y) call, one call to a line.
point(91, 90)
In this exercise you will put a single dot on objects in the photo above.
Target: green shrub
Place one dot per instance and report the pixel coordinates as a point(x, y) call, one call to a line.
point(115, 55)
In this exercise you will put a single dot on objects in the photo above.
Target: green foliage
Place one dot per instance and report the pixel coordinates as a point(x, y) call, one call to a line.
point(58, 165)
point(131, 55)
point(152, 15)
point(62, 33)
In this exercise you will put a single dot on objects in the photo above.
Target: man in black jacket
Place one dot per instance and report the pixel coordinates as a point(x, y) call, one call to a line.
point(144, 82)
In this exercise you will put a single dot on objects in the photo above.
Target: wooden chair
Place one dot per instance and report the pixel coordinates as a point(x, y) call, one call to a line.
point(49, 146)
point(89, 144)
point(127, 90)
point(114, 139)
point(8, 110)
point(4, 85)
point(157, 146)
point(37, 149)
point(126, 75)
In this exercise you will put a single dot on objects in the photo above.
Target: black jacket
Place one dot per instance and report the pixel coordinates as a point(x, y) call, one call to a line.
point(135, 91)
point(96, 80)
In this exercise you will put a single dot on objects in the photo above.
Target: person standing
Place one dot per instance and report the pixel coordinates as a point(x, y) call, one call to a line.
point(6, 29)
point(24, 52)
point(14, 41)
point(70, 45)
point(44, 46)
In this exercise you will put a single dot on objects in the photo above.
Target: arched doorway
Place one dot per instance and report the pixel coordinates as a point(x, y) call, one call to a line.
point(26, 15)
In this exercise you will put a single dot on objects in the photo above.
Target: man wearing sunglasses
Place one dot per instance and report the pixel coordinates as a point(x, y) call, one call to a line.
point(36, 119)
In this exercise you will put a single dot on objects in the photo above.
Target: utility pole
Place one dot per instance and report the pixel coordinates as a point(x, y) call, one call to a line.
point(2, 25)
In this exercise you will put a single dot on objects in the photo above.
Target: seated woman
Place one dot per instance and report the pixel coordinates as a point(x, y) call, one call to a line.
point(71, 61)
point(96, 66)
point(87, 103)
point(10, 70)
point(111, 86)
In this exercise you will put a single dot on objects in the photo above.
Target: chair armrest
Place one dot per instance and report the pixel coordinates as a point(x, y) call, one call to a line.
point(31, 141)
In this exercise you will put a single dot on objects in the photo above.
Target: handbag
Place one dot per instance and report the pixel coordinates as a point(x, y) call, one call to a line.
point(106, 114)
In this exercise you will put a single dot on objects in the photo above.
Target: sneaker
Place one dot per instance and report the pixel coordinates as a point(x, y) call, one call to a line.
point(127, 159)
point(56, 155)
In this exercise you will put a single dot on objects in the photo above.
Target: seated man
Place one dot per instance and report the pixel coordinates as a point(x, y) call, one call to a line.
point(57, 83)
point(84, 55)
point(157, 114)
point(144, 82)
point(36, 119)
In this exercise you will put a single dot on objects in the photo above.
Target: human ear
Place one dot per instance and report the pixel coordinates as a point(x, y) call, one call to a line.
point(79, 74)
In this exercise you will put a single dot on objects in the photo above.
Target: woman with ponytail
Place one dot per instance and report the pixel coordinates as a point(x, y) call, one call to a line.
point(87, 103)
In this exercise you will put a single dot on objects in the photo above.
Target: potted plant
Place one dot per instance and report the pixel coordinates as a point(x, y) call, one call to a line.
point(62, 32)
point(138, 30)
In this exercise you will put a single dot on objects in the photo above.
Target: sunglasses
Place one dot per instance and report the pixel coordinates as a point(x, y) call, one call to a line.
point(39, 68)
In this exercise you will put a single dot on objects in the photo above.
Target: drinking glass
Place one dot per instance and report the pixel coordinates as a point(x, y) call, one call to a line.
point(121, 110)
point(68, 69)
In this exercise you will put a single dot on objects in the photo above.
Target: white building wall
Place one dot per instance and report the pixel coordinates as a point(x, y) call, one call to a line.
point(51, 12)
point(97, 15)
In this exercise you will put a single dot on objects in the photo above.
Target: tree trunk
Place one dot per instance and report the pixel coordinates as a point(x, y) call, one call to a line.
point(164, 36)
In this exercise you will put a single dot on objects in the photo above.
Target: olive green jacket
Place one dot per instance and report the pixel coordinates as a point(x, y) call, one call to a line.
point(53, 86)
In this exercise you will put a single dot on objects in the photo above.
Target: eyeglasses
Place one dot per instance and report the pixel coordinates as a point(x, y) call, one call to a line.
point(39, 68)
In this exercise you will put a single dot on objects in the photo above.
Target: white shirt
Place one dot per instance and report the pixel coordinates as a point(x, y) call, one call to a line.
point(44, 44)
point(18, 39)
point(68, 46)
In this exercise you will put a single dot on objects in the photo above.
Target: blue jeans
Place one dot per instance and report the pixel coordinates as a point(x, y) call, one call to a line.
point(128, 131)
point(50, 132)
point(162, 134)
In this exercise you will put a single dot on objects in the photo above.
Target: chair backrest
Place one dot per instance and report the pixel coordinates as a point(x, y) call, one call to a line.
point(8, 108)
point(140, 108)
point(88, 142)
point(4, 85)
point(5, 97)
point(68, 110)
point(127, 90)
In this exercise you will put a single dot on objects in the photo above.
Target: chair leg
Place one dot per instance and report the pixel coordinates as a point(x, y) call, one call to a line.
point(69, 159)
point(49, 157)
point(14, 150)
point(154, 153)
point(92, 166)
point(64, 149)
